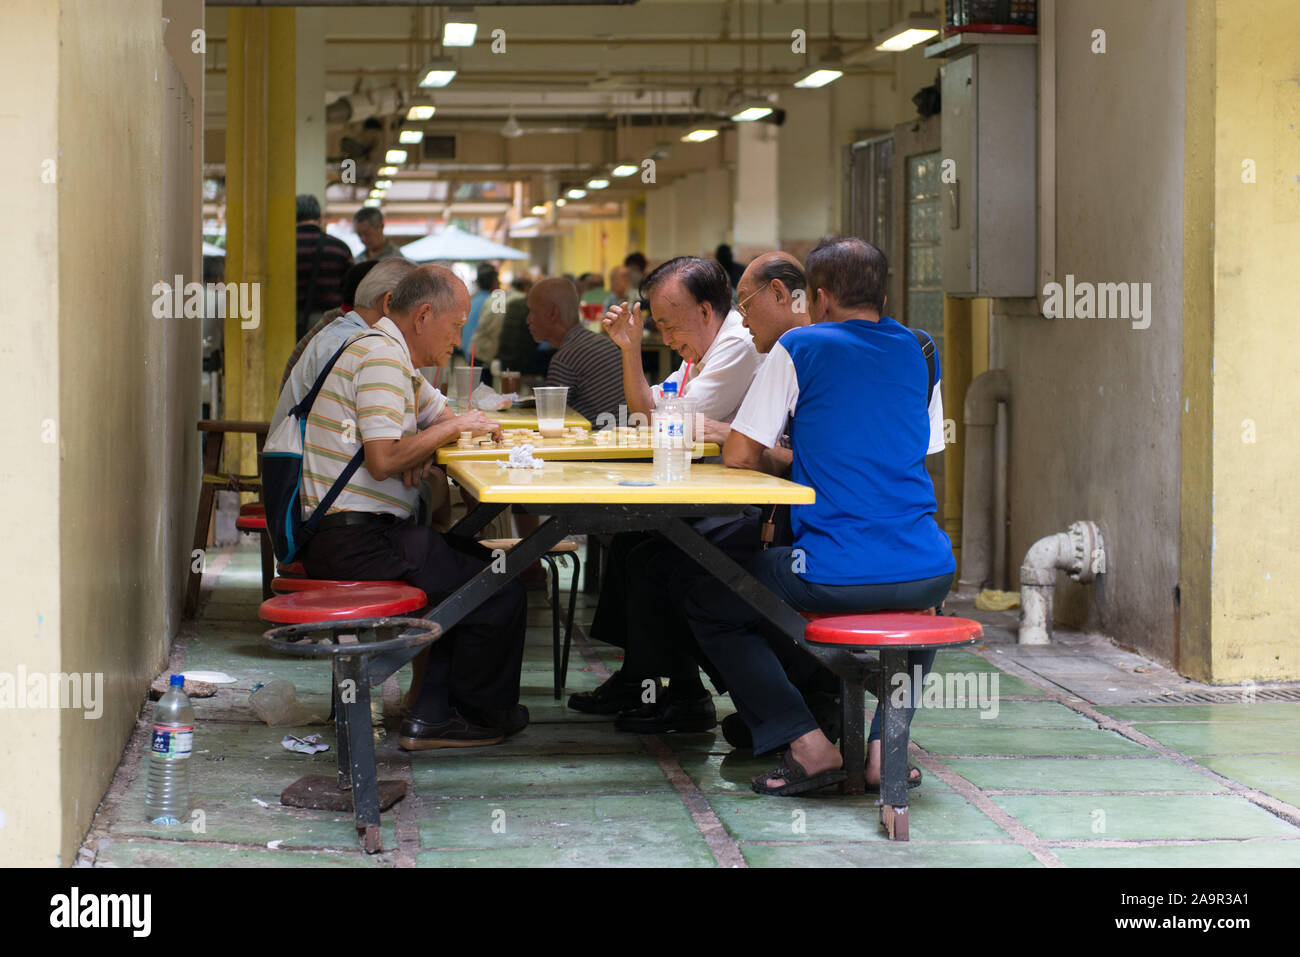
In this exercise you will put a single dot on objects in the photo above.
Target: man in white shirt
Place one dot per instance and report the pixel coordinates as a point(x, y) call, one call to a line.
point(690, 299)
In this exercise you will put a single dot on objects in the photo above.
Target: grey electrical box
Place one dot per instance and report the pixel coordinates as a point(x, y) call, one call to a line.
point(989, 173)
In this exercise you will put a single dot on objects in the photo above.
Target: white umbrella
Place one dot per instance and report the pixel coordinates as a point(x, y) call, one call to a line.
point(210, 250)
point(454, 244)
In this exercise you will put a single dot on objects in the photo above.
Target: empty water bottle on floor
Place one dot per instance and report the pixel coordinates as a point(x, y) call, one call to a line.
point(167, 796)
point(672, 454)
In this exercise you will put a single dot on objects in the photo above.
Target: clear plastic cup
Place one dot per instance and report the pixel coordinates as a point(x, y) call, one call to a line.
point(467, 378)
point(551, 402)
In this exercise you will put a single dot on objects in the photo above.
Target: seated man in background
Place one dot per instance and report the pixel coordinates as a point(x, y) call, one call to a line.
point(619, 287)
point(691, 299)
point(870, 541)
point(470, 690)
point(370, 304)
point(351, 281)
point(368, 223)
point(587, 362)
point(518, 350)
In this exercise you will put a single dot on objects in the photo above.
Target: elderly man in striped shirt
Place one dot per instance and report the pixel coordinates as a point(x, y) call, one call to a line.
point(375, 395)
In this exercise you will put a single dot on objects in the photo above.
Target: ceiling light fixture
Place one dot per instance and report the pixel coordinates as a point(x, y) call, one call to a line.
point(421, 112)
point(814, 78)
point(597, 183)
point(411, 137)
point(388, 171)
point(438, 72)
point(751, 110)
point(699, 135)
point(906, 34)
point(396, 157)
point(624, 169)
point(459, 28)
point(576, 193)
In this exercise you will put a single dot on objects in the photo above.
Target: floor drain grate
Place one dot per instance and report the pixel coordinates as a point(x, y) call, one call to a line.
point(1240, 696)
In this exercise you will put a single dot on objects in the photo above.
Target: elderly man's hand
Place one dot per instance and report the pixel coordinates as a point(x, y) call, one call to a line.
point(413, 476)
point(710, 430)
point(625, 326)
point(477, 422)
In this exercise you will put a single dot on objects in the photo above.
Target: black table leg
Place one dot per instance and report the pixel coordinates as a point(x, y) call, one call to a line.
point(361, 752)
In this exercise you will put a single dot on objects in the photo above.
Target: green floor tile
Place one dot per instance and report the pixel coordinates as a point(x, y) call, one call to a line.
point(827, 816)
point(732, 771)
point(1274, 774)
point(890, 854)
point(1216, 854)
point(694, 855)
point(1228, 737)
point(1140, 816)
point(1088, 774)
point(1259, 711)
point(186, 854)
point(1035, 741)
point(527, 777)
point(652, 821)
point(1021, 714)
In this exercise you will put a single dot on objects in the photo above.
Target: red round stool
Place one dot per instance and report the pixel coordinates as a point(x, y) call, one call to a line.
point(893, 634)
point(252, 518)
point(349, 625)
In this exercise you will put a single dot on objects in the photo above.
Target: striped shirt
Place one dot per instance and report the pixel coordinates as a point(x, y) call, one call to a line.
point(373, 393)
point(592, 367)
point(335, 261)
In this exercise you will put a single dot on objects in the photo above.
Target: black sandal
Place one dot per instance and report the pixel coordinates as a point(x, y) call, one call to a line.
point(797, 780)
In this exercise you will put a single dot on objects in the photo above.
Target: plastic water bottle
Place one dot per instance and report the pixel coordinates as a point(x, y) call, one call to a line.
point(167, 797)
point(672, 456)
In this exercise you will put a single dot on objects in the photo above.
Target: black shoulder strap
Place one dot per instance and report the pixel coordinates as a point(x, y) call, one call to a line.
point(928, 350)
point(303, 407)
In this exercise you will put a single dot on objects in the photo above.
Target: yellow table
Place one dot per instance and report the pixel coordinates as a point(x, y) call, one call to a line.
point(606, 483)
point(553, 450)
point(525, 417)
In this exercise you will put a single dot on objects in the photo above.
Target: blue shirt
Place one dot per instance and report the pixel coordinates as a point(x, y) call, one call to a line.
point(475, 307)
point(860, 426)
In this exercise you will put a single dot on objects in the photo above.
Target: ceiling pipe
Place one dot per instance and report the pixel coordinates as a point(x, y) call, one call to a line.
point(1080, 551)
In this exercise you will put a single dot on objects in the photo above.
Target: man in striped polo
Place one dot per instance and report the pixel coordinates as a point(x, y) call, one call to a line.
point(587, 362)
point(375, 395)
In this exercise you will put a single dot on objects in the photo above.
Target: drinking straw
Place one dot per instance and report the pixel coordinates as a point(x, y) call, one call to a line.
point(685, 375)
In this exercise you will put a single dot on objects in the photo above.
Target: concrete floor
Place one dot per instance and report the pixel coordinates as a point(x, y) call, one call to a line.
point(1066, 774)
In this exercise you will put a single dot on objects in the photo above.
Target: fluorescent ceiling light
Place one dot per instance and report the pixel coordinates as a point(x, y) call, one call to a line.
point(818, 76)
point(699, 135)
point(625, 169)
point(459, 28)
point(438, 72)
point(576, 193)
point(752, 111)
point(396, 157)
point(372, 203)
point(421, 112)
point(539, 210)
point(597, 183)
point(388, 171)
point(410, 137)
point(376, 194)
point(561, 202)
point(383, 184)
point(905, 35)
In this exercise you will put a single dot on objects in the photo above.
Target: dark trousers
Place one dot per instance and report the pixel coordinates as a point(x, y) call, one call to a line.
point(640, 606)
point(729, 632)
point(475, 667)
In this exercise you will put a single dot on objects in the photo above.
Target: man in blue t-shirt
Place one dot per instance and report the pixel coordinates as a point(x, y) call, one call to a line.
point(870, 541)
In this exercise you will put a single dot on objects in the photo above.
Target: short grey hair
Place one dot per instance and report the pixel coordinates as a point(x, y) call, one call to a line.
point(383, 278)
point(368, 214)
point(432, 285)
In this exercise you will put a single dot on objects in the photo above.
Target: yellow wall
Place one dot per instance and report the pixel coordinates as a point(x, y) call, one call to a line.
point(1255, 563)
point(596, 246)
point(94, 586)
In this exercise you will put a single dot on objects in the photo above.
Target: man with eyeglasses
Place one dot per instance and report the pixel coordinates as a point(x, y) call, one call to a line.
point(691, 302)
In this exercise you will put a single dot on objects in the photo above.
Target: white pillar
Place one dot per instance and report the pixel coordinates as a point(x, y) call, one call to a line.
point(755, 216)
point(310, 146)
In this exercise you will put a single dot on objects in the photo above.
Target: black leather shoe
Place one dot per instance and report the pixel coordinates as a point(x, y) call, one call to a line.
point(669, 714)
point(510, 720)
point(615, 695)
point(456, 732)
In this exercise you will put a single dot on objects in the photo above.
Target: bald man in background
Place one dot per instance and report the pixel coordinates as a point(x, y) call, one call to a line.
point(587, 362)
